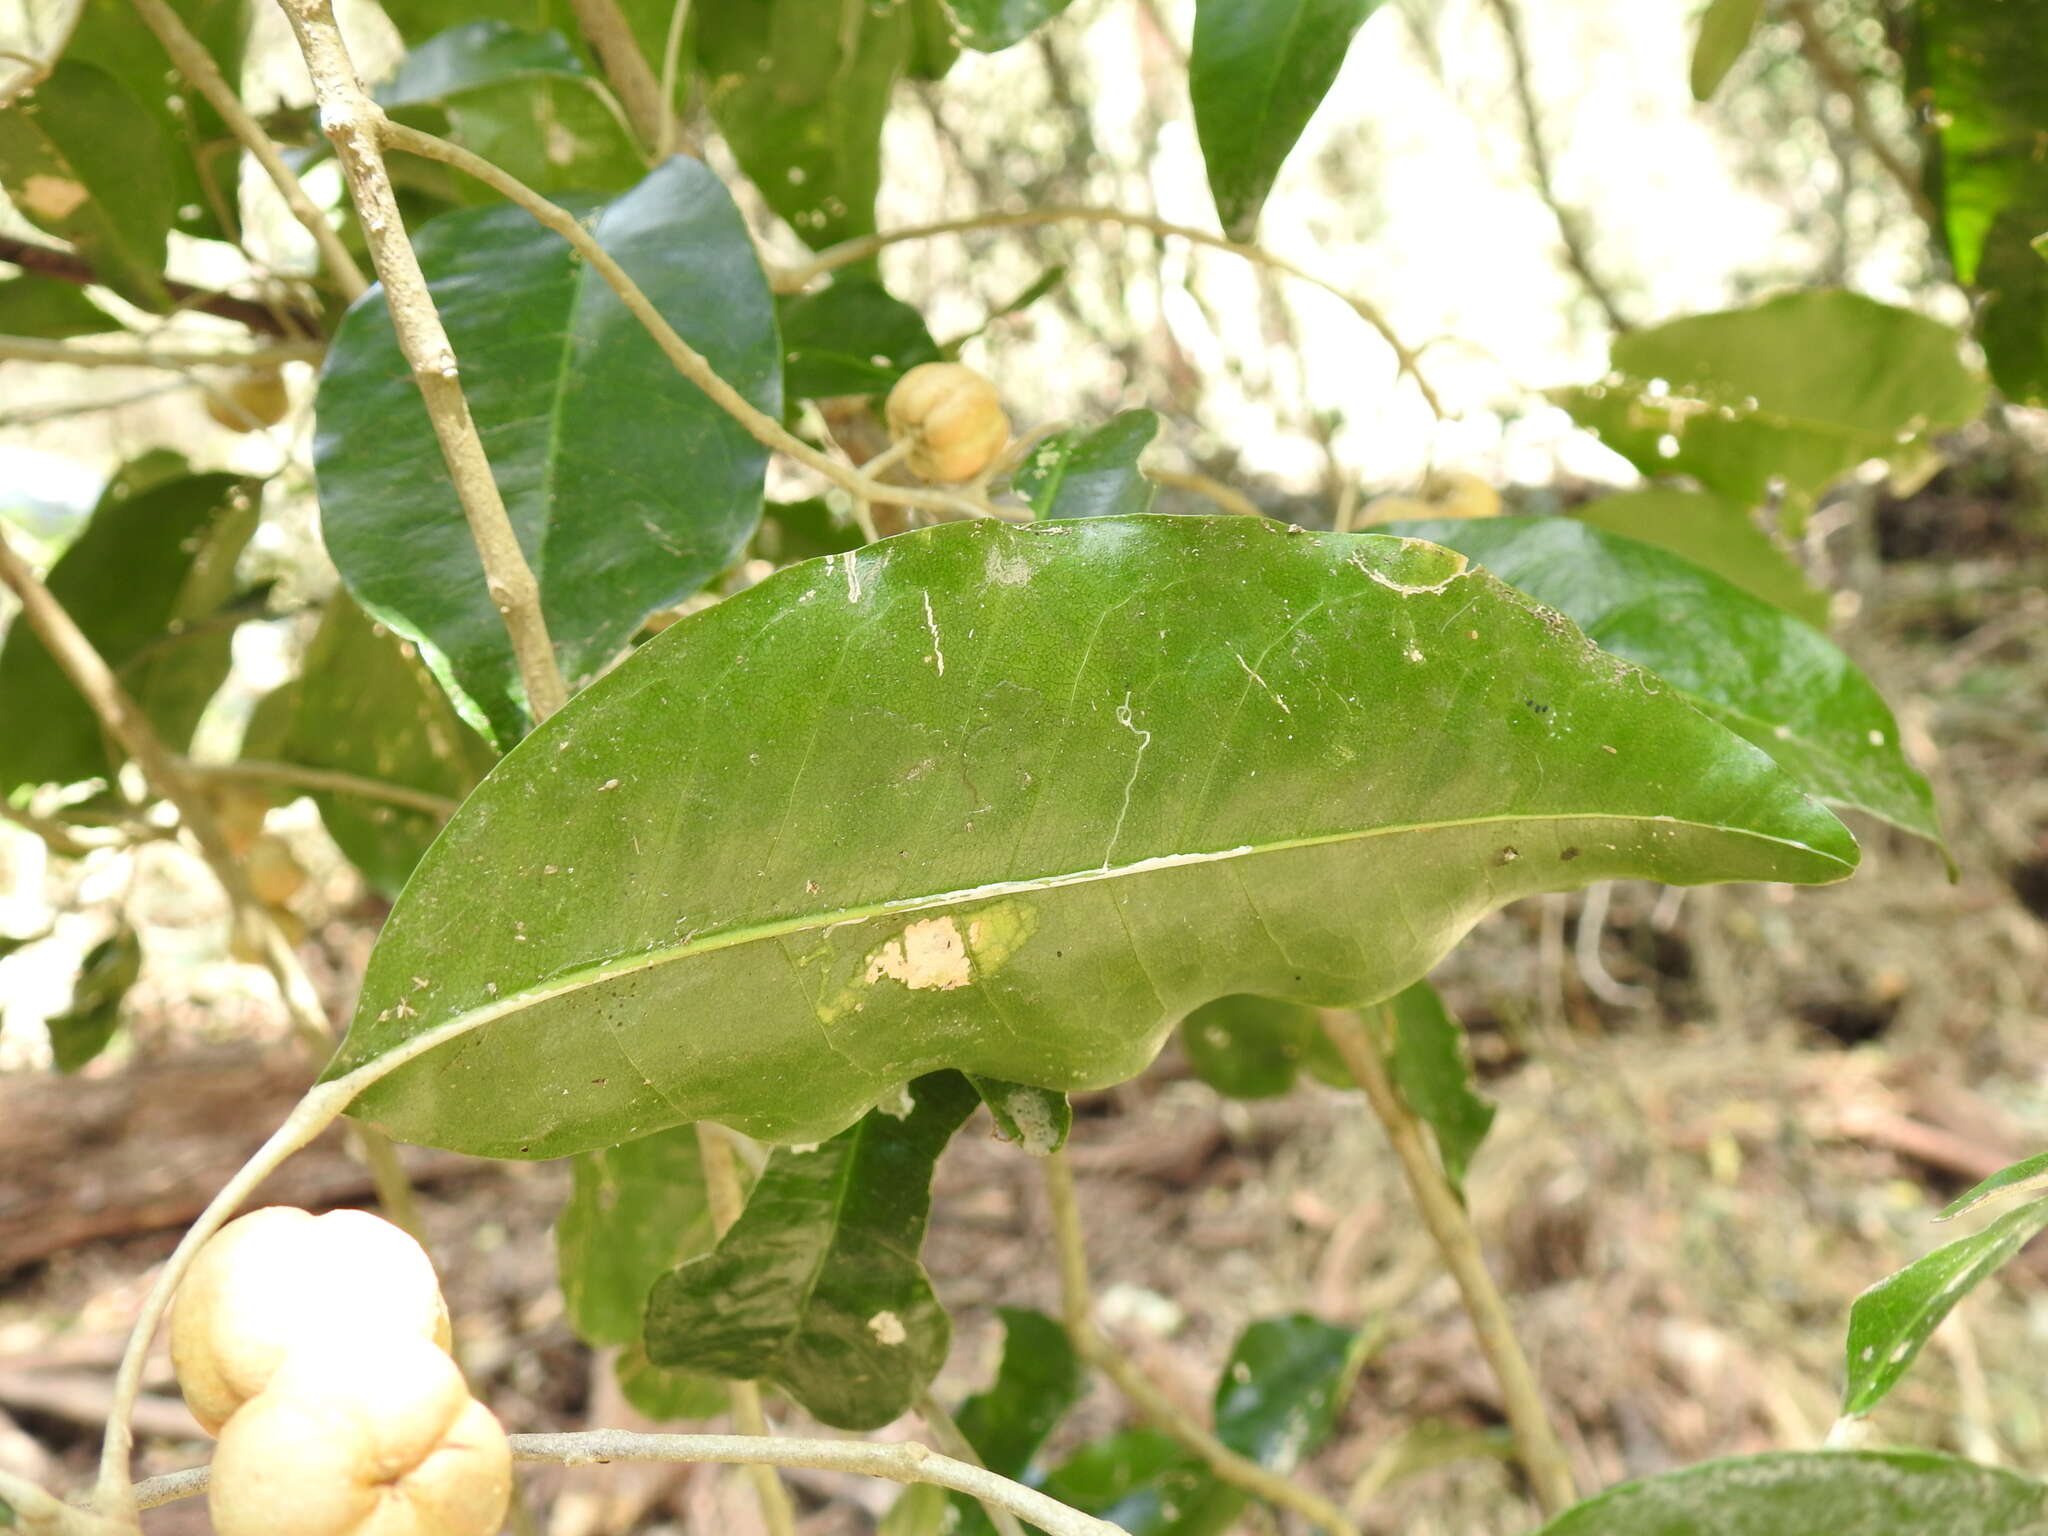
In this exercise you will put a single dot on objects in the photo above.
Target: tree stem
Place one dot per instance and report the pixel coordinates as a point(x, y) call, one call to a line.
point(354, 124)
point(1451, 1226)
point(328, 779)
point(954, 1443)
point(605, 28)
point(1076, 1311)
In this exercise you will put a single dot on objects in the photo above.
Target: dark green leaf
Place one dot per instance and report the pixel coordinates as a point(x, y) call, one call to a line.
point(799, 88)
point(1166, 759)
point(1039, 1380)
point(32, 305)
point(1146, 1482)
point(1426, 1055)
point(1716, 533)
point(83, 159)
point(1802, 1493)
point(2024, 1176)
point(933, 43)
point(1980, 82)
point(1090, 474)
point(1801, 388)
point(818, 1286)
point(85, 1029)
point(203, 159)
point(635, 1212)
point(1282, 1388)
point(1753, 667)
point(1725, 30)
point(1248, 1047)
point(1257, 72)
point(852, 338)
point(476, 54)
point(364, 704)
point(628, 488)
point(1890, 1321)
point(141, 581)
point(803, 530)
point(987, 25)
point(1037, 1119)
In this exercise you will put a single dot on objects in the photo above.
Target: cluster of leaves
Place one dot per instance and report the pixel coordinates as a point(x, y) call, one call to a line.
point(981, 813)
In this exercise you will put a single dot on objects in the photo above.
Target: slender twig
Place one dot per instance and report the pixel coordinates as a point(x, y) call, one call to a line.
point(688, 361)
point(1841, 79)
point(1164, 1413)
point(605, 28)
point(1209, 488)
point(727, 1199)
point(329, 779)
point(1449, 1223)
point(671, 139)
point(352, 123)
point(154, 352)
point(197, 65)
point(953, 1441)
point(832, 258)
point(1569, 227)
point(901, 1462)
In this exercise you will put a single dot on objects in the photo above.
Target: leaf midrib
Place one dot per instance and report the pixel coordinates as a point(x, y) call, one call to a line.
point(580, 977)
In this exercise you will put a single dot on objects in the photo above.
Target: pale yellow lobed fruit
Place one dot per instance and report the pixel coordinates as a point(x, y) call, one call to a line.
point(281, 1278)
point(253, 399)
point(371, 1437)
point(952, 419)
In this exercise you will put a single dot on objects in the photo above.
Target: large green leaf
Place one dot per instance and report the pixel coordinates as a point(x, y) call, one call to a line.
point(1148, 1484)
point(636, 1211)
point(1801, 1493)
point(32, 305)
point(1091, 474)
point(1980, 77)
point(82, 158)
point(474, 55)
point(1426, 1056)
point(853, 338)
point(988, 25)
point(86, 1028)
point(1800, 388)
point(1257, 72)
point(145, 581)
point(365, 705)
point(818, 1286)
point(1751, 666)
point(800, 88)
point(1714, 532)
point(781, 859)
point(1891, 1321)
point(627, 487)
point(2025, 1176)
point(203, 159)
point(1725, 29)
point(1283, 1387)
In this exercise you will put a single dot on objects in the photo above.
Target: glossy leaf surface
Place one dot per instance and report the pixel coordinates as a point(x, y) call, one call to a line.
point(1257, 72)
point(635, 1212)
point(1165, 759)
point(86, 1028)
point(476, 54)
point(364, 704)
point(1717, 534)
point(1725, 29)
point(799, 89)
point(2023, 1177)
point(1090, 474)
point(1282, 1388)
point(1804, 387)
point(1426, 1056)
point(1981, 77)
point(144, 582)
point(853, 338)
point(1753, 667)
point(83, 159)
point(1892, 1320)
point(1147, 1483)
point(627, 487)
point(1800, 1493)
point(988, 25)
point(818, 1286)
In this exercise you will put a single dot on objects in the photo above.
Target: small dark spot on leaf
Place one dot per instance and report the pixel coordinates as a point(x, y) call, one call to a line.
point(1569, 854)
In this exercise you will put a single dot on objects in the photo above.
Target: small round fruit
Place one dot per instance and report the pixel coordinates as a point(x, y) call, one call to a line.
point(372, 1437)
point(281, 1278)
point(952, 418)
point(255, 398)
